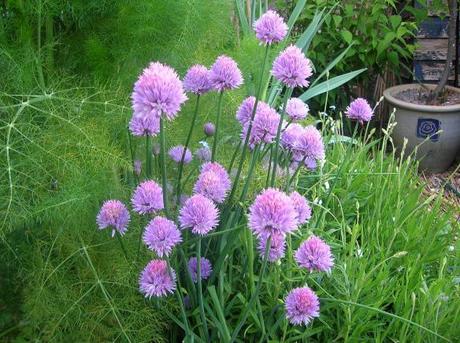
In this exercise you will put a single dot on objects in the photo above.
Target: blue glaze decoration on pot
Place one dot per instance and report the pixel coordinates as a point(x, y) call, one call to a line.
point(427, 127)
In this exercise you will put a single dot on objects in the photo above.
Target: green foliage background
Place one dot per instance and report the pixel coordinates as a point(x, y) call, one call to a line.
point(67, 73)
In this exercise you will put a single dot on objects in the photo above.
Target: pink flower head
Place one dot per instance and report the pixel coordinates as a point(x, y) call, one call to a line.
point(144, 125)
point(199, 214)
point(296, 109)
point(309, 147)
point(113, 213)
point(197, 80)
point(209, 129)
point(276, 249)
point(264, 126)
point(161, 236)
point(156, 280)
point(205, 266)
point(176, 154)
point(290, 136)
point(301, 206)
point(292, 68)
point(315, 254)
point(302, 305)
point(359, 110)
point(213, 182)
point(158, 91)
point(270, 28)
point(245, 110)
point(272, 213)
point(147, 198)
point(225, 74)
point(216, 168)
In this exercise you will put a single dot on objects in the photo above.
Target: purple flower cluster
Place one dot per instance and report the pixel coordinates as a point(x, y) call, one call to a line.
point(296, 109)
point(161, 236)
point(302, 305)
point(272, 213)
point(292, 68)
point(147, 198)
point(144, 125)
point(113, 213)
point(314, 254)
point(158, 91)
point(301, 206)
point(205, 268)
point(359, 110)
point(176, 154)
point(213, 182)
point(156, 280)
point(264, 126)
point(199, 214)
point(276, 249)
point(244, 112)
point(225, 74)
point(197, 80)
point(270, 28)
point(305, 144)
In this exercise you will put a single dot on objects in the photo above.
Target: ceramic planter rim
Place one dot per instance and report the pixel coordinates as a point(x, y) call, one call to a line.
point(388, 94)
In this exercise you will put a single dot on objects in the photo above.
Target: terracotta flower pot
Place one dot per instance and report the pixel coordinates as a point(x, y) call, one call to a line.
point(419, 124)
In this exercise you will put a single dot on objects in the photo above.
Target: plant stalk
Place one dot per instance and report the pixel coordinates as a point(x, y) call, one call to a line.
point(163, 165)
point(254, 295)
point(248, 133)
point(216, 134)
point(187, 142)
point(200, 289)
point(278, 134)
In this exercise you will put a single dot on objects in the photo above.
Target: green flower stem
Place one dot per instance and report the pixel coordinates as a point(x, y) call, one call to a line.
point(278, 134)
point(187, 142)
point(179, 299)
point(148, 155)
point(131, 150)
point(252, 165)
point(296, 173)
point(122, 246)
point(235, 153)
point(248, 133)
point(254, 295)
point(200, 290)
point(163, 165)
point(216, 134)
point(267, 181)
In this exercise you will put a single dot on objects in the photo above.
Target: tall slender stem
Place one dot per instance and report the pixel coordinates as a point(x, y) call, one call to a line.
point(187, 142)
point(179, 299)
point(254, 295)
point(131, 150)
point(254, 159)
point(216, 134)
point(278, 134)
point(235, 153)
point(200, 289)
point(248, 133)
point(122, 246)
point(163, 165)
point(148, 155)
